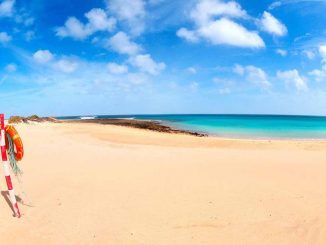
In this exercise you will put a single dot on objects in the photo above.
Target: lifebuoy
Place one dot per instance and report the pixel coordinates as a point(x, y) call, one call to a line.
point(19, 153)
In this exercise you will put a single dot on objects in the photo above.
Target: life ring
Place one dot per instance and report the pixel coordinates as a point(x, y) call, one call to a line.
point(19, 152)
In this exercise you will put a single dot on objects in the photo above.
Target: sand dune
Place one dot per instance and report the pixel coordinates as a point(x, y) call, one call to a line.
point(96, 184)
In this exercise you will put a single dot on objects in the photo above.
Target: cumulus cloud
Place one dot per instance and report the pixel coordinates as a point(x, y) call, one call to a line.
point(322, 52)
point(258, 76)
point(73, 28)
point(222, 30)
point(4, 37)
point(254, 75)
point(66, 65)
point(282, 52)
point(115, 68)
point(145, 63)
point(319, 75)
point(7, 8)
point(292, 78)
point(190, 36)
point(122, 44)
point(42, 56)
point(98, 20)
point(130, 11)
point(270, 24)
point(225, 31)
point(206, 10)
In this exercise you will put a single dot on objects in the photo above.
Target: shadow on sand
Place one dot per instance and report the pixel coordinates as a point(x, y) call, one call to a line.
point(5, 195)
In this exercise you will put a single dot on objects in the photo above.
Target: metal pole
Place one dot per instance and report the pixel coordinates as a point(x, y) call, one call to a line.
point(6, 167)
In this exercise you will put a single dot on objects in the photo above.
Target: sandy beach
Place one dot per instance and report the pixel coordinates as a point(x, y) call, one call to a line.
point(104, 184)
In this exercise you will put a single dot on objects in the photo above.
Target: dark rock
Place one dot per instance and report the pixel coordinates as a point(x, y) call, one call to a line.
point(149, 125)
point(33, 118)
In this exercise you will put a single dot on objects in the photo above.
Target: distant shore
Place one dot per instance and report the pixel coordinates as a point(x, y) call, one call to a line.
point(141, 124)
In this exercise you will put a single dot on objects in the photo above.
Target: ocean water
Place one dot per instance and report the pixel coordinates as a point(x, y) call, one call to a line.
point(240, 126)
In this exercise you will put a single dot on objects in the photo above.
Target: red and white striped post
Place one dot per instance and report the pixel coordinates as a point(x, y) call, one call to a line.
point(6, 167)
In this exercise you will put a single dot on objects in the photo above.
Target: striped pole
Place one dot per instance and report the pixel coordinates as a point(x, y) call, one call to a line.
point(6, 167)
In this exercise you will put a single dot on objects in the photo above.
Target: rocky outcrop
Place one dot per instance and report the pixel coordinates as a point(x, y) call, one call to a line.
point(149, 125)
point(33, 118)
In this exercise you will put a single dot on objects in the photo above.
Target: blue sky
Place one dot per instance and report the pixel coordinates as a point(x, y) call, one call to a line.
point(161, 56)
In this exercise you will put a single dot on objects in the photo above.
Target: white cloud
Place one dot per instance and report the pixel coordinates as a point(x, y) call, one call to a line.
point(11, 68)
point(130, 11)
point(322, 52)
point(66, 65)
point(274, 5)
point(73, 28)
point(225, 31)
point(190, 36)
point(309, 54)
point(280, 3)
point(319, 75)
point(145, 63)
point(221, 31)
point(270, 24)
point(7, 8)
point(206, 10)
point(254, 75)
point(115, 68)
point(97, 21)
point(282, 52)
point(42, 56)
point(4, 37)
point(293, 78)
point(257, 76)
point(122, 44)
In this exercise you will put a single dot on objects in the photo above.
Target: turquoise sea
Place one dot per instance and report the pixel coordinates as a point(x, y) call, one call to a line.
point(239, 126)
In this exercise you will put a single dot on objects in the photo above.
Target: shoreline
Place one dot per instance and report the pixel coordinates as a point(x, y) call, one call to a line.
point(160, 126)
point(123, 135)
point(165, 126)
